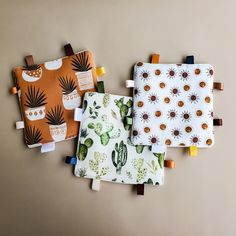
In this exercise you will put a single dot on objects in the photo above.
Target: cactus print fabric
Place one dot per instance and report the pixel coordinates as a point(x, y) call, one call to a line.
point(173, 105)
point(105, 151)
point(48, 94)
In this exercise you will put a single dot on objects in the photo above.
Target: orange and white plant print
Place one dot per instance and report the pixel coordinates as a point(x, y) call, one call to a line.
point(173, 105)
point(83, 71)
point(48, 94)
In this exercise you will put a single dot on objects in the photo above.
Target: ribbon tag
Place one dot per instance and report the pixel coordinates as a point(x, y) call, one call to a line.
point(193, 151)
point(96, 185)
point(155, 59)
point(78, 114)
point(68, 50)
point(190, 60)
point(129, 83)
point(48, 147)
point(140, 189)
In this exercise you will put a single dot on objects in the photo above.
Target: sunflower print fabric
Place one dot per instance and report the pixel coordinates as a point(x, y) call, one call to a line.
point(105, 151)
point(173, 105)
point(48, 94)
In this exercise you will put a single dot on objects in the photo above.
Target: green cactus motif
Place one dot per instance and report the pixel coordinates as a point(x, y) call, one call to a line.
point(85, 105)
point(119, 156)
point(150, 181)
point(129, 175)
point(81, 172)
point(138, 148)
point(141, 171)
point(83, 148)
point(106, 100)
point(153, 167)
point(83, 133)
point(124, 107)
point(104, 130)
point(124, 110)
point(95, 165)
point(160, 158)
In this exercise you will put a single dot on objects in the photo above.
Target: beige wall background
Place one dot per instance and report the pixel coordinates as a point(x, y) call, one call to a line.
point(39, 194)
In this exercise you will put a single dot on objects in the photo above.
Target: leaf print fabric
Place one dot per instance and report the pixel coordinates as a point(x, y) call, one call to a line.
point(173, 105)
point(105, 151)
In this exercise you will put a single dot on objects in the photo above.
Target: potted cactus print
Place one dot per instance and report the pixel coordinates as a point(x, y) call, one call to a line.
point(124, 110)
point(35, 103)
point(83, 148)
point(33, 136)
point(119, 156)
point(32, 73)
point(53, 65)
point(70, 98)
point(105, 130)
point(81, 65)
point(95, 165)
point(57, 124)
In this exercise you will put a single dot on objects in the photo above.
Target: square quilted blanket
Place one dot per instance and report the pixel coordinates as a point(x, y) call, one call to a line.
point(173, 105)
point(105, 151)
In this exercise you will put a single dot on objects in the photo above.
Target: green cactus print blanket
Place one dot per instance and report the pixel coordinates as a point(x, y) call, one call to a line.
point(105, 151)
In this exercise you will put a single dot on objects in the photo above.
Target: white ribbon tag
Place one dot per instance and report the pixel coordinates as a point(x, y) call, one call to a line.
point(96, 185)
point(78, 113)
point(20, 125)
point(129, 83)
point(48, 147)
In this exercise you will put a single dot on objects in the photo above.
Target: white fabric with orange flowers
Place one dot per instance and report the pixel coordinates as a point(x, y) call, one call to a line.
point(173, 105)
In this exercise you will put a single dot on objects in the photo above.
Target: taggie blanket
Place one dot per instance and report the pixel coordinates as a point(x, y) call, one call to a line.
point(173, 105)
point(48, 94)
point(105, 151)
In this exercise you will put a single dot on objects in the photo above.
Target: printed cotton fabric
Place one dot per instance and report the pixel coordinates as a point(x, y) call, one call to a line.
point(48, 94)
point(105, 151)
point(173, 105)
